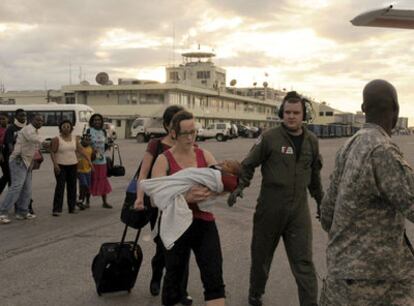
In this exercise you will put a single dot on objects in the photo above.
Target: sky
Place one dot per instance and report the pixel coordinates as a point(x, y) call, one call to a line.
point(308, 45)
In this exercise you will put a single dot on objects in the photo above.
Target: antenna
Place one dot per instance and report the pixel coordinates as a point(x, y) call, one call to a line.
point(173, 55)
point(80, 74)
point(70, 73)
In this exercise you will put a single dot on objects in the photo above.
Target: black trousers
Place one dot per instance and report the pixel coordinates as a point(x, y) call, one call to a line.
point(5, 179)
point(68, 176)
point(158, 260)
point(202, 237)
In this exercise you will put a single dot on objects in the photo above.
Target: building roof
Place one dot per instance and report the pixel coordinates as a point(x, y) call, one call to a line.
point(163, 87)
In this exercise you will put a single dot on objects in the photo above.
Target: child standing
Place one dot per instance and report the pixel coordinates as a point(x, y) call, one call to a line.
point(84, 173)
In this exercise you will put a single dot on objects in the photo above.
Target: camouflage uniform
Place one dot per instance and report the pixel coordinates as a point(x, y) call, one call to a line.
point(282, 209)
point(370, 195)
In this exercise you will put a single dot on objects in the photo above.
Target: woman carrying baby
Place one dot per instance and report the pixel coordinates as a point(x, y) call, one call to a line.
point(202, 236)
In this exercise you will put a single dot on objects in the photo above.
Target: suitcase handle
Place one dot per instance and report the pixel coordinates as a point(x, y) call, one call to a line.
point(123, 240)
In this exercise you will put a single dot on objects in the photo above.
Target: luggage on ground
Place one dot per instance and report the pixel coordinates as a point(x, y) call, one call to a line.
point(117, 264)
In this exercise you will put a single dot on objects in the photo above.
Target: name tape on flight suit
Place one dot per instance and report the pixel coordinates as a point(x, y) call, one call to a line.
point(287, 150)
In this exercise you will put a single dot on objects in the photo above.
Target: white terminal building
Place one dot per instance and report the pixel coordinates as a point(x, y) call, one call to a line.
point(197, 84)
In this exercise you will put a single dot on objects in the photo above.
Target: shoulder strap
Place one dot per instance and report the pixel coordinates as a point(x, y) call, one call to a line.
point(158, 152)
point(116, 147)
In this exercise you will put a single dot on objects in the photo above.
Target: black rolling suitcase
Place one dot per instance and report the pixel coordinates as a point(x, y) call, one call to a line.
point(117, 264)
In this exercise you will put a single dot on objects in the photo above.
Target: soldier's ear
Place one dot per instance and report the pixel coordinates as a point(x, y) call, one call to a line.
point(363, 107)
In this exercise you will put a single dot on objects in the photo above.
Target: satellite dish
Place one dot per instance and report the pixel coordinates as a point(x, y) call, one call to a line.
point(84, 83)
point(255, 83)
point(233, 82)
point(265, 84)
point(102, 78)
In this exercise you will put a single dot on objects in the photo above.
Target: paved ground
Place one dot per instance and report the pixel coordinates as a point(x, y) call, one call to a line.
point(47, 261)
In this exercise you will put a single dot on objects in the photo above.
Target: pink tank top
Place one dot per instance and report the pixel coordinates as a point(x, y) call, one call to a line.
point(201, 163)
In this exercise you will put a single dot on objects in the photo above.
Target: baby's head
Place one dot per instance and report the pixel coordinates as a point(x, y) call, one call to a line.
point(229, 166)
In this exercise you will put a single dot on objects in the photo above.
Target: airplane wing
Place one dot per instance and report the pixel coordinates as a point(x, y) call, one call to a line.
point(386, 18)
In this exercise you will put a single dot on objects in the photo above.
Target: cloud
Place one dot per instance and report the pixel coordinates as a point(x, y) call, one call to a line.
point(309, 45)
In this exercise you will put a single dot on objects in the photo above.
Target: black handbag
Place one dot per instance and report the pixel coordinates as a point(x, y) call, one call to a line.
point(113, 169)
point(139, 218)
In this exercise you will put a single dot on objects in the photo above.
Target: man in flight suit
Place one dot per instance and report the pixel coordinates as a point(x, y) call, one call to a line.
point(290, 164)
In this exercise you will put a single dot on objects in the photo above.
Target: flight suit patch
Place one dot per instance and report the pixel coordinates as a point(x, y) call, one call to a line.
point(287, 150)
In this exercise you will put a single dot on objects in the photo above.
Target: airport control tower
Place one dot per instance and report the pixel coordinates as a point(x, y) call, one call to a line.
point(198, 70)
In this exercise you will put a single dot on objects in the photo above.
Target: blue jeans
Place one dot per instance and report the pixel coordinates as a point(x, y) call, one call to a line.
point(20, 190)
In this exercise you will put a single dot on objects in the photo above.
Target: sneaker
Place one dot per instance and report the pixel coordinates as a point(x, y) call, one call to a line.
point(56, 214)
point(186, 300)
point(28, 216)
point(106, 205)
point(4, 219)
point(80, 205)
point(86, 205)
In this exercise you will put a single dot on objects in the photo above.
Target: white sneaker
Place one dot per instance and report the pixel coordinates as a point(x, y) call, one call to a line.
point(28, 216)
point(4, 219)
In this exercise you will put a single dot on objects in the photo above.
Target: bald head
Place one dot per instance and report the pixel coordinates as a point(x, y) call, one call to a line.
point(379, 96)
point(380, 103)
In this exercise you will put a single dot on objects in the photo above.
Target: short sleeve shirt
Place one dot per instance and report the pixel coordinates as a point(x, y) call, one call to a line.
point(98, 141)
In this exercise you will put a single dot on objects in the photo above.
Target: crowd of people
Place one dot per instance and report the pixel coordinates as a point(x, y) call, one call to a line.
point(371, 193)
point(74, 158)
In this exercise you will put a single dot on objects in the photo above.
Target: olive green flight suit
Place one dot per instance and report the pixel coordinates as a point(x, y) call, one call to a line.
point(282, 207)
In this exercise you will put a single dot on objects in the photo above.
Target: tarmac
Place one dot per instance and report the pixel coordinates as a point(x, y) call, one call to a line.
point(47, 261)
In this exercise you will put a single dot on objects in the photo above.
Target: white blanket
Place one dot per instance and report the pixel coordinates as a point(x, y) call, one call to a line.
point(167, 193)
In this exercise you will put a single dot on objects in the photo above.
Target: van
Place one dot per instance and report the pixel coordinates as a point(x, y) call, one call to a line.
point(219, 130)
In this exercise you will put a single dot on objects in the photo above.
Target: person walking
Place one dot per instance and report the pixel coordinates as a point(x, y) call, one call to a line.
point(99, 141)
point(154, 148)
point(63, 151)
point(371, 194)
point(290, 164)
point(21, 161)
point(202, 236)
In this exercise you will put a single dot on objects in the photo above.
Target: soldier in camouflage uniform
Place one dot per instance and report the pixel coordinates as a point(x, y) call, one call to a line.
point(291, 164)
point(371, 193)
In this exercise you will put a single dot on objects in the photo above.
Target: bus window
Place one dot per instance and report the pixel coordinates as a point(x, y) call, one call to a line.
point(49, 118)
point(69, 115)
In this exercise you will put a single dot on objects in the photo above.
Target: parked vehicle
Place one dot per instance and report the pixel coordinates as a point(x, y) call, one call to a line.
point(110, 131)
point(145, 128)
point(219, 130)
point(53, 114)
point(200, 132)
point(248, 131)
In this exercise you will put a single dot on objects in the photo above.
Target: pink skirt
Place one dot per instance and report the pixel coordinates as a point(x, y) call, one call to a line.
point(100, 184)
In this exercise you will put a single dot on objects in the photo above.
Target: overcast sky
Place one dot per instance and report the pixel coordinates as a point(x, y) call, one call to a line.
point(306, 45)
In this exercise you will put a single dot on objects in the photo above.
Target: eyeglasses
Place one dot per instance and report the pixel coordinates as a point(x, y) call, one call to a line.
point(187, 133)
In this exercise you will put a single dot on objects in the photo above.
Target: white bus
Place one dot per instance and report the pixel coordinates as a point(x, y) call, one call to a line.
point(53, 114)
